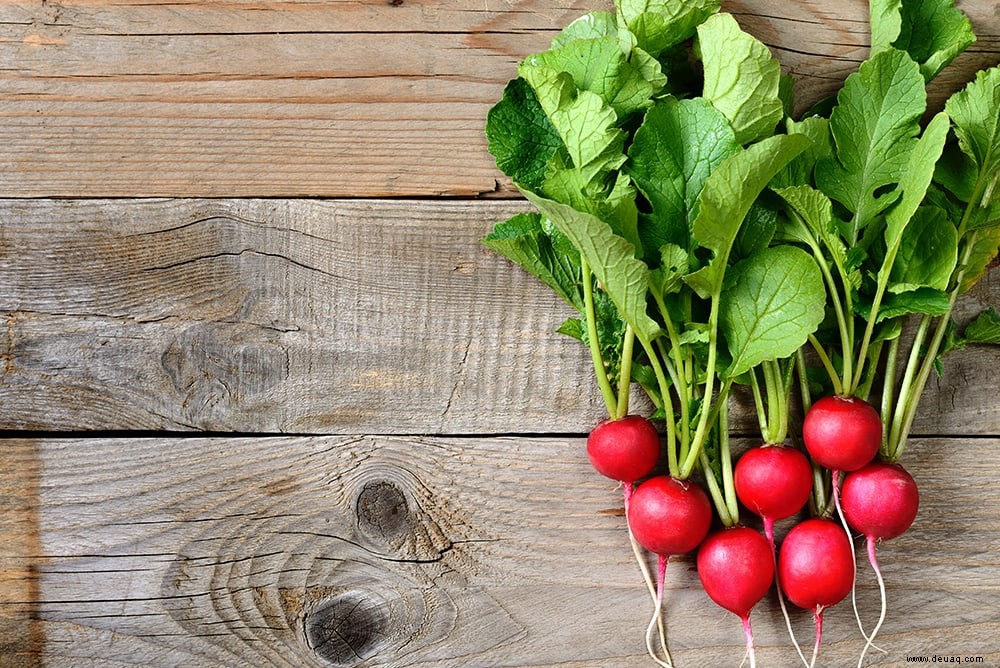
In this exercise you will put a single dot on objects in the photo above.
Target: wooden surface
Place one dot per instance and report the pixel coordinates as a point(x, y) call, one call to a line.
point(260, 220)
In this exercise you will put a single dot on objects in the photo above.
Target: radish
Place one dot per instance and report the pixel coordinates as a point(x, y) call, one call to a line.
point(626, 449)
point(736, 568)
point(774, 482)
point(880, 500)
point(816, 568)
point(667, 516)
point(842, 433)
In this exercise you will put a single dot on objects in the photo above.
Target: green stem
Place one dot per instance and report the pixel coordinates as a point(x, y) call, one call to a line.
point(819, 490)
point(703, 428)
point(625, 376)
point(888, 394)
point(806, 395)
point(871, 366)
point(595, 347)
point(709, 416)
point(906, 387)
point(681, 377)
point(786, 399)
point(758, 401)
point(668, 405)
point(854, 383)
point(827, 364)
point(841, 309)
point(913, 396)
point(718, 497)
point(909, 395)
point(773, 393)
point(725, 458)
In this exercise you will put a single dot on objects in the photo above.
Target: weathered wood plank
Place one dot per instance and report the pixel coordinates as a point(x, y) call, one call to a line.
point(327, 99)
point(373, 551)
point(376, 316)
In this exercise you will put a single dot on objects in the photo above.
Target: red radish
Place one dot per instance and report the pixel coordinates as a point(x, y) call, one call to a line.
point(736, 568)
point(816, 568)
point(774, 482)
point(880, 500)
point(625, 449)
point(667, 516)
point(842, 433)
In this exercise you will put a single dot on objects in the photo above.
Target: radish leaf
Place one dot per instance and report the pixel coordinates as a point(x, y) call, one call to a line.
point(928, 252)
point(984, 329)
point(933, 32)
point(742, 78)
point(885, 22)
point(599, 66)
point(660, 24)
point(524, 240)
point(678, 145)
point(773, 300)
point(874, 126)
point(520, 135)
point(727, 196)
point(611, 258)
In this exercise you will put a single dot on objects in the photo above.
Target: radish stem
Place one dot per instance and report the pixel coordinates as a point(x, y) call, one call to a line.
point(595, 347)
point(625, 374)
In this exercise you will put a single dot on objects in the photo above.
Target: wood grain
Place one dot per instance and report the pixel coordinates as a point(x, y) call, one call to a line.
point(376, 551)
point(339, 99)
point(353, 316)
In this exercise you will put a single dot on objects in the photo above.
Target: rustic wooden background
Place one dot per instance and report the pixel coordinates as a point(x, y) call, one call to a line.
point(267, 402)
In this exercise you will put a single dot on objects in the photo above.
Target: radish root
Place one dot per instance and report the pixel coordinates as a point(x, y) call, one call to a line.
point(661, 571)
point(769, 533)
point(818, 617)
point(748, 632)
point(854, 588)
point(881, 590)
point(654, 591)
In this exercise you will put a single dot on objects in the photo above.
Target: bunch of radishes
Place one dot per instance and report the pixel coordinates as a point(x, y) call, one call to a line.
point(707, 241)
point(736, 564)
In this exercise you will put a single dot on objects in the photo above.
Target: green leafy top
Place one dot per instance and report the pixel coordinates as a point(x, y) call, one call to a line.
point(649, 175)
point(642, 176)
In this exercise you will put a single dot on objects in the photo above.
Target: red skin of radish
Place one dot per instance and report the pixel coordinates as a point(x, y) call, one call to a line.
point(842, 433)
point(736, 568)
point(815, 564)
point(669, 516)
point(880, 500)
point(773, 481)
point(625, 449)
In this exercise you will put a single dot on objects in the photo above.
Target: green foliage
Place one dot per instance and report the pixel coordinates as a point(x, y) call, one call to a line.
point(874, 127)
point(768, 308)
point(678, 204)
point(742, 78)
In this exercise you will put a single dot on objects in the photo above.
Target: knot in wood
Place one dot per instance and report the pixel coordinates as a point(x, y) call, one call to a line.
point(348, 629)
point(383, 513)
